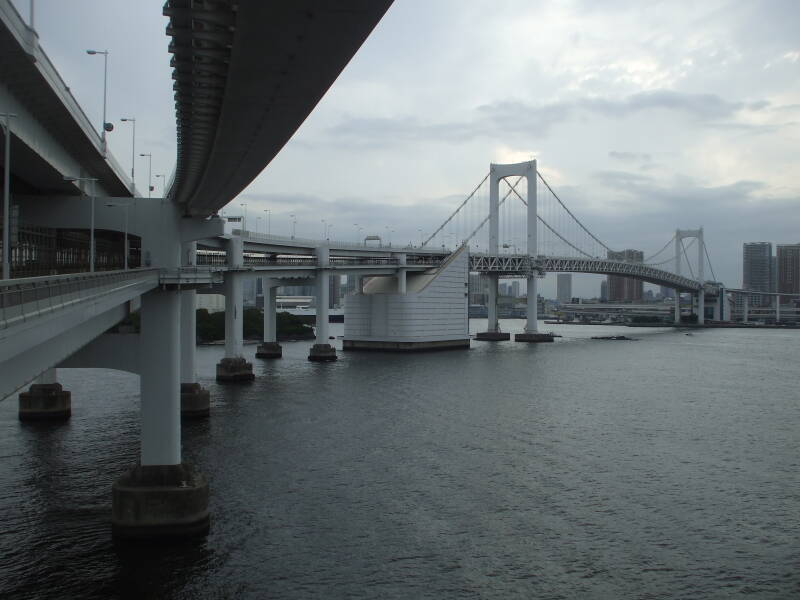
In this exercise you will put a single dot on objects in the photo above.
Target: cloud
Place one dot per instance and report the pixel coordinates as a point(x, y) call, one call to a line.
point(511, 117)
point(630, 156)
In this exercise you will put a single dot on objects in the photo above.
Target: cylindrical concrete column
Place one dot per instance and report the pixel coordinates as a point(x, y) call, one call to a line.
point(270, 308)
point(233, 316)
point(701, 307)
point(323, 279)
point(677, 306)
point(160, 379)
point(188, 336)
point(532, 325)
point(493, 324)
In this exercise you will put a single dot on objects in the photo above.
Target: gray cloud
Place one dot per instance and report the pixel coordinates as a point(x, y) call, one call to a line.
point(512, 117)
point(630, 156)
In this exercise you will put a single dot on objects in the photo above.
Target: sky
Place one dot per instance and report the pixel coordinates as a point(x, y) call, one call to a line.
point(644, 116)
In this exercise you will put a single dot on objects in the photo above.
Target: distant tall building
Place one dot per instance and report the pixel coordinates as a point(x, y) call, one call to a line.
point(334, 290)
point(604, 291)
point(478, 289)
point(788, 270)
point(515, 288)
point(625, 289)
point(667, 292)
point(757, 270)
point(564, 287)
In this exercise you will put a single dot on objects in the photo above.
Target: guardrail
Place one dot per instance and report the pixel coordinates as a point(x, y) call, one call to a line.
point(25, 299)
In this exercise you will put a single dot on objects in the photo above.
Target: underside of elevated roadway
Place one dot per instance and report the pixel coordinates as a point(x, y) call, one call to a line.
point(247, 74)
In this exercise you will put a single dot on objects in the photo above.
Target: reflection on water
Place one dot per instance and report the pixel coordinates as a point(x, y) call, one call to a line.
point(664, 467)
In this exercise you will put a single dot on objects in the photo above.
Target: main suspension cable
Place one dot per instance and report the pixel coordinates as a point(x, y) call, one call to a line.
point(455, 212)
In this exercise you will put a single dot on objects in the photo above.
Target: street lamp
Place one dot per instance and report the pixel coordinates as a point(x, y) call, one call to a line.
point(269, 220)
point(294, 224)
point(92, 180)
point(133, 147)
point(7, 197)
point(324, 228)
point(106, 126)
point(149, 172)
point(244, 217)
point(328, 231)
point(163, 183)
point(126, 206)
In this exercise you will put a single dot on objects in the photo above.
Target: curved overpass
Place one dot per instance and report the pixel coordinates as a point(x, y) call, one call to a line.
point(247, 74)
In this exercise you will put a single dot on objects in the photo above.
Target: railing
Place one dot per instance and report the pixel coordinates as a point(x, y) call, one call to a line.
point(25, 299)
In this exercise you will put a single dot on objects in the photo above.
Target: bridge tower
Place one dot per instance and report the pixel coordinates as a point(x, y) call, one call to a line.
point(680, 235)
point(498, 172)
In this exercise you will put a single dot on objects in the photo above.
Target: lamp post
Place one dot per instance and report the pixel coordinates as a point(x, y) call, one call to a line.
point(7, 196)
point(126, 206)
point(328, 231)
point(92, 180)
point(244, 215)
point(294, 224)
point(324, 228)
point(149, 172)
point(269, 220)
point(163, 183)
point(132, 120)
point(106, 126)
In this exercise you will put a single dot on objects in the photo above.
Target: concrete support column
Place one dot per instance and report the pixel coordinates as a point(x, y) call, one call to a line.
point(195, 399)
point(322, 351)
point(401, 275)
point(493, 324)
point(269, 348)
point(701, 307)
point(677, 307)
point(45, 400)
point(360, 284)
point(234, 367)
point(532, 326)
point(160, 379)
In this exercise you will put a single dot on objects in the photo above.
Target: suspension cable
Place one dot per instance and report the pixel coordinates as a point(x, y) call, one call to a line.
point(562, 238)
point(708, 258)
point(649, 258)
point(569, 212)
point(688, 262)
point(455, 212)
point(499, 204)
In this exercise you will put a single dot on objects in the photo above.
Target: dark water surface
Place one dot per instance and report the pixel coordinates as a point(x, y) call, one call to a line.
point(663, 468)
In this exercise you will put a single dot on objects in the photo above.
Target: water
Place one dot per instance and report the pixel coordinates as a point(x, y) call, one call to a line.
point(661, 468)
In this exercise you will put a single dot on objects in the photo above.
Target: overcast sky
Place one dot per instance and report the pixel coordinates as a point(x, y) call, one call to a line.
point(646, 116)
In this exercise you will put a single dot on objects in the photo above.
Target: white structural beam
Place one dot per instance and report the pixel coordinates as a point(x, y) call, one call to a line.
point(270, 291)
point(323, 290)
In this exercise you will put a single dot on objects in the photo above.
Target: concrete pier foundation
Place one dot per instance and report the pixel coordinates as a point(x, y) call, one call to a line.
point(234, 369)
point(45, 402)
point(195, 401)
point(534, 338)
point(322, 353)
point(269, 350)
point(160, 501)
point(492, 336)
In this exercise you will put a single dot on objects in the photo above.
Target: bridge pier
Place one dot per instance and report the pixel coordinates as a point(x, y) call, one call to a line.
point(492, 333)
point(269, 348)
point(322, 351)
point(234, 367)
point(677, 307)
point(701, 307)
point(195, 399)
point(161, 496)
point(45, 400)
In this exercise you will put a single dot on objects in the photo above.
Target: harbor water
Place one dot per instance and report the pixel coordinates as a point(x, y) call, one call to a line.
point(666, 467)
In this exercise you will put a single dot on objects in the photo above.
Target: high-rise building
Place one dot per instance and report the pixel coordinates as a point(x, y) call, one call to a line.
point(757, 270)
point(625, 289)
point(788, 270)
point(667, 292)
point(515, 288)
point(604, 290)
point(478, 289)
point(564, 287)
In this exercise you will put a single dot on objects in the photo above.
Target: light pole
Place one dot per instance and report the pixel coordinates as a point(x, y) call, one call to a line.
point(244, 215)
point(357, 228)
point(163, 183)
point(106, 126)
point(7, 197)
point(126, 206)
point(133, 147)
point(294, 224)
point(324, 228)
point(149, 172)
point(328, 231)
point(421, 243)
point(269, 220)
point(92, 180)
